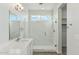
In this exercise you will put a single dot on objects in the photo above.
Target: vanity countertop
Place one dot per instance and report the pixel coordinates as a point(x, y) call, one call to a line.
point(16, 45)
point(23, 43)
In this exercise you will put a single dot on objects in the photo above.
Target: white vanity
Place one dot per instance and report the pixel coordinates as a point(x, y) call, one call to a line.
point(21, 47)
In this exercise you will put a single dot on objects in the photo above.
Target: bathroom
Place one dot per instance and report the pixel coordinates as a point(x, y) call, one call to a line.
point(28, 29)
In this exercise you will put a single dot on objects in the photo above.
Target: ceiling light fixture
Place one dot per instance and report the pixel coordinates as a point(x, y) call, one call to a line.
point(19, 7)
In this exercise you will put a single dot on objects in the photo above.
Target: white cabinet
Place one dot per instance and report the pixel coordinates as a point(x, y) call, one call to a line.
point(22, 47)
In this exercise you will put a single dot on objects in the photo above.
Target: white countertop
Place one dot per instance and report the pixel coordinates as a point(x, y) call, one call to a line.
point(13, 44)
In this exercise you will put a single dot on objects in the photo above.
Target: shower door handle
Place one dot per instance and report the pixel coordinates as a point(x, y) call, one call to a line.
point(68, 26)
point(45, 33)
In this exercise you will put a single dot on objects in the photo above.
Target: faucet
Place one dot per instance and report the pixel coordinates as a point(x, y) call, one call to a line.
point(18, 39)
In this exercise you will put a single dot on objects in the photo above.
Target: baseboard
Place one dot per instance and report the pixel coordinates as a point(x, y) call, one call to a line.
point(44, 49)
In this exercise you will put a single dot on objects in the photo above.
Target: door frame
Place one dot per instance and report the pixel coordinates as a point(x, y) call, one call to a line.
point(59, 50)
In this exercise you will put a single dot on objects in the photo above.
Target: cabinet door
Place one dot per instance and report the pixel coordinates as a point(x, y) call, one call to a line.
point(28, 50)
point(73, 28)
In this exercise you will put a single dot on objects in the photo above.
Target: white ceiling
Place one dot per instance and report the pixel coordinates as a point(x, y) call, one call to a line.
point(37, 6)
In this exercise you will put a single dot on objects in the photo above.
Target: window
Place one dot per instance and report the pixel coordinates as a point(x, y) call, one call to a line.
point(45, 18)
point(35, 18)
point(20, 18)
point(13, 17)
point(41, 18)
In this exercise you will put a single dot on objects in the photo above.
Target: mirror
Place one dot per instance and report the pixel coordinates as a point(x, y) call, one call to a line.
point(14, 26)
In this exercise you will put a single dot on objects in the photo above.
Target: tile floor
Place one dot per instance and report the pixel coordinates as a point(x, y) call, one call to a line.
point(44, 53)
point(50, 53)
